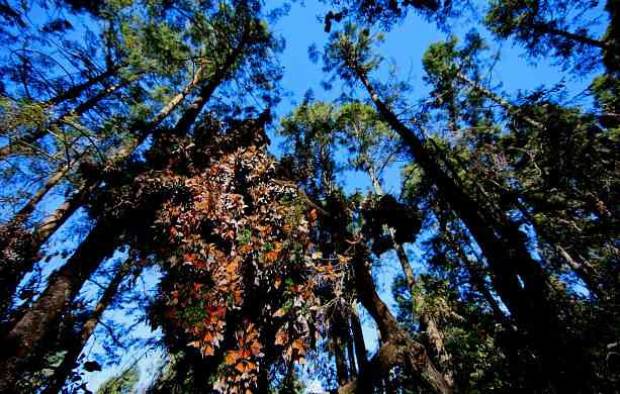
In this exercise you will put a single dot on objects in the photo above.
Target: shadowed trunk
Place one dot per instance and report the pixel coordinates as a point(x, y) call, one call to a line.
point(74, 347)
point(13, 271)
point(338, 345)
point(518, 278)
point(546, 28)
point(358, 340)
point(397, 346)
point(24, 341)
point(433, 334)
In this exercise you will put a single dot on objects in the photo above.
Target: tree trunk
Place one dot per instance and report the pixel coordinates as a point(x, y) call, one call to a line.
point(433, 333)
point(358, 340)
point(191, 113)
point(342, 373)
point(12, 271)
point(351, 356)
point(510, 108)
point(74, 347)
point(75, 91)
point(581, 39)
point(24, 341)
point(401, 346)
point(48, 226)
point(518, 278)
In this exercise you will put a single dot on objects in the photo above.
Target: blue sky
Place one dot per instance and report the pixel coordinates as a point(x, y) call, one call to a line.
point(404, 45)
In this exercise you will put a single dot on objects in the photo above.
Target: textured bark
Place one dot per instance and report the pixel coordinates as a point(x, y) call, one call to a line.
point(74, 346)
point(401, 346)
point(24, 341)
point(380, 365)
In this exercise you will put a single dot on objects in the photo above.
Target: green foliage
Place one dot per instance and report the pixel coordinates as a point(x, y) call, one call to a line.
point(124, 383)
point(351, 50)
point(261, 258)
point(546, 27)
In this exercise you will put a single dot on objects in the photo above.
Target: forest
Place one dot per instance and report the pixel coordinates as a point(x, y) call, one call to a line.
point(309, 196)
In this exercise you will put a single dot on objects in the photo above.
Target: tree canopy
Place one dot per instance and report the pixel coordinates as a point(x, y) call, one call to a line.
point(173, 222)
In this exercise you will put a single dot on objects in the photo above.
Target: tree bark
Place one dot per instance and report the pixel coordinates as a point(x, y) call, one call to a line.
point(24, 341)
point(518, 278)
point(358, 340)
point(74, 346)
point(401, 346)
point(342, 373)
point(433, 333)
point(353, 370)
point(12, 271)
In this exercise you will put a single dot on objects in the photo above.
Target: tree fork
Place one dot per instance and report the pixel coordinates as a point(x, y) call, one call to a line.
point(406, 349)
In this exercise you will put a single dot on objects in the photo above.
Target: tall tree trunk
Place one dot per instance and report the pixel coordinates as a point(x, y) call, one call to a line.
point(518, 278)
point(22, 215)
point(546, 28)
point(24, 338)
point(433, 333)
point(52, 222)
point(59, 175)
point(509, 107)
point(351, 355)
point(397, 347)
point(221, 73)
point(74, 346)
point(12, 271)
point(611, 56)
point(24, 341)
point(358, 340)
point(338, 345)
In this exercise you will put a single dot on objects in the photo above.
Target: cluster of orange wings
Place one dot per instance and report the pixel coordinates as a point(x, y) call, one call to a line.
point(242, 247)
